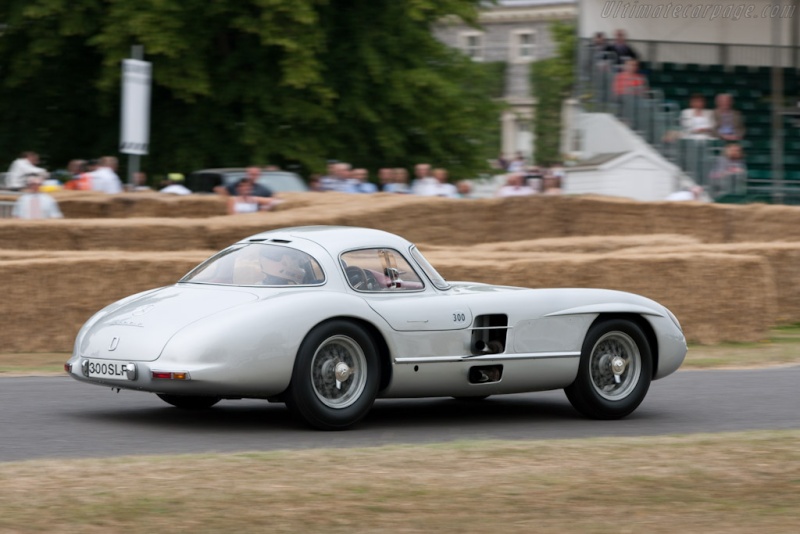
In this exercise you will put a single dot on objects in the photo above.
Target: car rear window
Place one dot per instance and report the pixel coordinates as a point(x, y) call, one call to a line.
point(258, 264)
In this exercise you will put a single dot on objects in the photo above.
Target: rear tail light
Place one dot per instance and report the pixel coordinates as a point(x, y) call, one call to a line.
point(170, 375)
point(68, 367)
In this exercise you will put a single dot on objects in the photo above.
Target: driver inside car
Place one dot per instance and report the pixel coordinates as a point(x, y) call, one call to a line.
point(281, 267)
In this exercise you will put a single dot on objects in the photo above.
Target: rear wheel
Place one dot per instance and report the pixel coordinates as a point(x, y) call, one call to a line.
point(187, 402)
point(614, 372)
point(336, 376)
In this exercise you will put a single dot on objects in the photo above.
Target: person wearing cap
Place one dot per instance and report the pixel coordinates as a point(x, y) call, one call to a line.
point(34, 204)
point(176, 186)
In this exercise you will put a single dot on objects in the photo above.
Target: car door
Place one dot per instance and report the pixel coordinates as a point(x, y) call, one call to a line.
point(395, 290)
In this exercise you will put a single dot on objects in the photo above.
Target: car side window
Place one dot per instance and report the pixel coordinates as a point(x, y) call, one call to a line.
point(379, 270)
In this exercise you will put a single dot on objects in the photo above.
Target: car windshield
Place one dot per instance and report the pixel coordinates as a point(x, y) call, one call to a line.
point(435, 278)
point(258, 264)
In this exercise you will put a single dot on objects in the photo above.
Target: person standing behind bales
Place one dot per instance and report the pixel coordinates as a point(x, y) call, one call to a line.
point(21, 167)
point(105, 178)
point(244, 201)
point(445, 188)
point(35, 204)
point(175, 186)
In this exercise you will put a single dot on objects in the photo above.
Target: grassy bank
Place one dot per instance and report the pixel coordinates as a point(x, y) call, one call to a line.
point(744, 482)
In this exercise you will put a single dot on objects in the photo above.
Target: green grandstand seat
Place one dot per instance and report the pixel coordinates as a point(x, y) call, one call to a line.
point(668, 67)
point(716, 68)
point(691, 67)
point(658, 77)
point(757, 174)
point(759, 159)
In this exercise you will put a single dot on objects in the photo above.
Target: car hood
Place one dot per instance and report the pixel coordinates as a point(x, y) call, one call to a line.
point(139, 329)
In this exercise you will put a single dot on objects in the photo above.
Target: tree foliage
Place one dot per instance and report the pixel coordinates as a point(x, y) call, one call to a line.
point(551, 82)
point(246, 81)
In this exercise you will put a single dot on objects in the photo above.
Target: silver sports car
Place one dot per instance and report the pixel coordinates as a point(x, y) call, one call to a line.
point(327, 319)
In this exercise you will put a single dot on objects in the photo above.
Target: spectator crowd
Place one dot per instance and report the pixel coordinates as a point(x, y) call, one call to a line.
point(248, 195)
point(702, 131)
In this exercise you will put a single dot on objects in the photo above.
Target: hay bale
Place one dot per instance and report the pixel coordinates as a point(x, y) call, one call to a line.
point(47, 300)
point(587, 215)
point(782, 257)
point(706, 291)
point(760, 222)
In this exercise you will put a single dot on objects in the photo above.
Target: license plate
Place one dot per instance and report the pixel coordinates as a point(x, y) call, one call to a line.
point(106, 369)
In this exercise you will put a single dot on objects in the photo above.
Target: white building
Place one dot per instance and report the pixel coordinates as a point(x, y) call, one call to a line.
point(517, 33)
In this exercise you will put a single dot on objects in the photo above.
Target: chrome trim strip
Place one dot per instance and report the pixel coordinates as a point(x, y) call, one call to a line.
point(493, 357)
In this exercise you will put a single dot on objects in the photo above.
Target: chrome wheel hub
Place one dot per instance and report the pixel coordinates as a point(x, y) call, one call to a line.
point(338, 372)
point(342, 372)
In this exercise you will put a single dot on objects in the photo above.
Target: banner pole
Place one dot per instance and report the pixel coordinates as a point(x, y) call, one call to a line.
point(137, 52)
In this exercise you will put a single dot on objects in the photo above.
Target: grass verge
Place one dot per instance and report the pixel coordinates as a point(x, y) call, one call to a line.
point(781, 347)
point(742, 482)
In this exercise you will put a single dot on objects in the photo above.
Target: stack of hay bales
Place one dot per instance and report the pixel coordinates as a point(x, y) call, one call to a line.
point(714, 266)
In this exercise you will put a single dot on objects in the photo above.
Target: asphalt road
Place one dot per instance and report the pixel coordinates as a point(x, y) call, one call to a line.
point(56, 417)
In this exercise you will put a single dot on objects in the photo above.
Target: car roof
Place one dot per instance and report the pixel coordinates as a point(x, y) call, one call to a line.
point(335, 239)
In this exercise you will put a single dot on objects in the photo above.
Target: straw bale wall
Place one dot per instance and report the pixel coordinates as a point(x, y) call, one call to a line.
point(721, 269)
point(436, 221)
point(784, 259)
point(46, 301)
point(707, 291)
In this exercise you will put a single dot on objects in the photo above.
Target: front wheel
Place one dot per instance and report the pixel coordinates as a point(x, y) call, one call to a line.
point(336, 376)
point(614, 373)
point(188, 402)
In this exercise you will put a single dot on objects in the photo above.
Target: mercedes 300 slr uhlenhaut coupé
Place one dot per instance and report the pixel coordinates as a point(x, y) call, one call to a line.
point(327, 319)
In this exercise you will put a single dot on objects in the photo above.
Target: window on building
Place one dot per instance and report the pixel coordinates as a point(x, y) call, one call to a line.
point(472, 45)
point(524, 45)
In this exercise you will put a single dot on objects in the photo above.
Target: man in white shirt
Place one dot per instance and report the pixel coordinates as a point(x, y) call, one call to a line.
point(424, 185)
point(445, 188)
point(105, 178)
point(34, 204)
point(21, 168)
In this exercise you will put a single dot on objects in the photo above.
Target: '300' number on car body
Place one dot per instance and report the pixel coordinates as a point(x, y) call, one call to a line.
point(459, 317)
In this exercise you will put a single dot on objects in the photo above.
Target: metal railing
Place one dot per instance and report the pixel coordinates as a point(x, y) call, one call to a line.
point(657, 121)
point(713, 53)
point(6, 207)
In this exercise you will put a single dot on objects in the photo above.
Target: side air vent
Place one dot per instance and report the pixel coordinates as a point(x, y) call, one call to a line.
point(489, 334)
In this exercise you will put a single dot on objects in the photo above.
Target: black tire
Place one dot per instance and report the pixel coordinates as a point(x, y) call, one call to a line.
point(595, 393)
point(313, 395)
point(187, 402)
